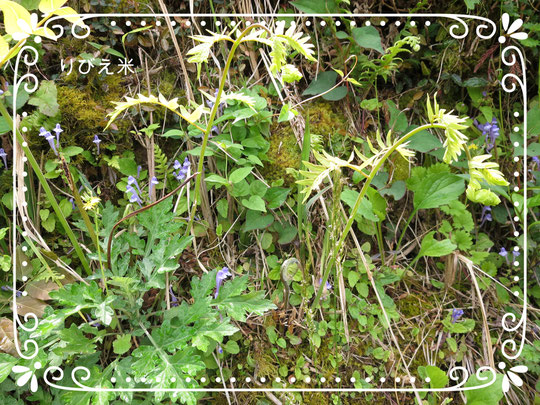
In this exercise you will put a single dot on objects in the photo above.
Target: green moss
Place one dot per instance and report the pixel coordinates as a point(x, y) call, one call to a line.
point(80, 112)
point(329, 122)
point(283, 153)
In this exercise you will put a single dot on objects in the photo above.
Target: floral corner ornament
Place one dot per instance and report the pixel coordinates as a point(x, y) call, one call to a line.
point(27, 375)
point(511, 377)
point(511, 30)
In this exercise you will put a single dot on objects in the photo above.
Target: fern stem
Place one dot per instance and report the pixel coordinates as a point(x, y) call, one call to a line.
point(356, 207)
point(211, 119)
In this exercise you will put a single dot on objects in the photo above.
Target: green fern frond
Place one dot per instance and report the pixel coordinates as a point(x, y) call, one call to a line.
point(161, 170)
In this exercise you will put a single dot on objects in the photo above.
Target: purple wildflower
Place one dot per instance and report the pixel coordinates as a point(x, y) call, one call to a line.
point(515, 253)
point(152, 183)
point(174, 300)
point(221, 276)
point(58, 129)
point(91, 322)
point(131, 181)
point(220, 349)
point(97, 141)
point(50, 138)
point(490, 130)
point(504, 254)
point(139, 171)
point(536, 160)
point(72, 202)
point(486, 215)
point(133, 195)
point(8, 288)
point(182, 169)
point(456, 314)
point(327, 285)
point(3, 155)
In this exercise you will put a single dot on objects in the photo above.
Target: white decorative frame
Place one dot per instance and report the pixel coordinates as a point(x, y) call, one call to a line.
point(511, 55)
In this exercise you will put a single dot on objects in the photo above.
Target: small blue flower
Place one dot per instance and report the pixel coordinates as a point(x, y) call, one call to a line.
point(139, 171)
point(221, 276)
point(131, 181)
point(220, 349)
point(58, 129)
point(486, 215)
point(503, 252)
point(50, 138)
point(515, 253)
point(93, 323)
point(3, 155)
point(97, 141)
point(174, 300)
point(491, 131)
point(327, 285)
point(152, 183)
point(133, 195)
point(8, 288)
point(182, 169)
point(456, 314)
point(536, 160)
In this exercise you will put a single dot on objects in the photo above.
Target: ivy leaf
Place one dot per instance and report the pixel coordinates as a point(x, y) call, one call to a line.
point(122, 344)
point(437, 377)
point(316, 7)
point(434, 248)
point(368, 37)
point(490, 395)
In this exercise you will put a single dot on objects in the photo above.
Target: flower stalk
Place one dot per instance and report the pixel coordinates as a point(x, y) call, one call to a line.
point(50, 196)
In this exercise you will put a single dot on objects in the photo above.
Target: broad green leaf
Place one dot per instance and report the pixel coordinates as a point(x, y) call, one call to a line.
point(438, 189)
point(232, 347)
point(316, 6)
point(365, 210)
point(437, 377)
point(254, 220)
point(45, 98)
point(239, 174)
point(368, 37)
point(490, 395)
point(254, 203)
point(434, 248)
point(324, 82)
point(336, 94)
point(6, 364)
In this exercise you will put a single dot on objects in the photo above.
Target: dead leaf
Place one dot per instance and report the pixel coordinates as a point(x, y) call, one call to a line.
point(7, 341)
point(41, 289)
point(27, 305)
